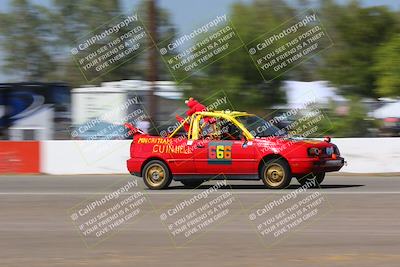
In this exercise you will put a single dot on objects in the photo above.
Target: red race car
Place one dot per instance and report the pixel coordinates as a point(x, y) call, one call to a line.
point(229, 145)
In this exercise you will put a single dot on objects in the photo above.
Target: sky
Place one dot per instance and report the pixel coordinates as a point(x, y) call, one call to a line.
point(186, 14)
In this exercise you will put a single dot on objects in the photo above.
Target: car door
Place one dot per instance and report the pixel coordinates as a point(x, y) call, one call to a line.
point(179, 156)
point(174, 150)
point(212, 156)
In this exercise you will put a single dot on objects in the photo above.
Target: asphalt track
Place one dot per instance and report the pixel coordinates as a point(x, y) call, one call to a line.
point(361, 227)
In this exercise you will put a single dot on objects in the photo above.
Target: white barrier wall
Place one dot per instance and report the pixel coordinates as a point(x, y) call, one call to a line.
point(370, 155)
point(84, 157)
point(363, 155)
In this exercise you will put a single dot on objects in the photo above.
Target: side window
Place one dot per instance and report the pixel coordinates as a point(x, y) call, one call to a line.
point(229, 131)
point(208, 129)
point(219, 129)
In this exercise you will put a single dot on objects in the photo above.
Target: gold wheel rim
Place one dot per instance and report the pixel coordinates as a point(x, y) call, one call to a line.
point(274, 175)
point(155, 175)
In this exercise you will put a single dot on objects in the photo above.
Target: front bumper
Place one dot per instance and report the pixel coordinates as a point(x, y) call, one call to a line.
point(309, 165)
point(329, 165)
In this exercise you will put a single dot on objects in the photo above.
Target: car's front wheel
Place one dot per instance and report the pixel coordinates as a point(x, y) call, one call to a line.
point(276, 174)
point(314, 179)
point(156, 175)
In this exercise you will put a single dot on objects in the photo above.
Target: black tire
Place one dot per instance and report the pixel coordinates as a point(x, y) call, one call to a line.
point(317, 177)
point(192, 183)
point(152, 172)
point(276, 174)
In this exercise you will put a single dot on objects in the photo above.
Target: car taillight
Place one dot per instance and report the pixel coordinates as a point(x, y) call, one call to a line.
point(314, 151)
point(131, 148)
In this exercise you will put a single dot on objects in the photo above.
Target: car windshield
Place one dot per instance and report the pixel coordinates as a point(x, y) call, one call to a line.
point(258, 127)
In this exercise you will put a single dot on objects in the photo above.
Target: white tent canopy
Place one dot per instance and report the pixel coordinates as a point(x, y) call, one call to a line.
point(388, 111)
point(298, 94)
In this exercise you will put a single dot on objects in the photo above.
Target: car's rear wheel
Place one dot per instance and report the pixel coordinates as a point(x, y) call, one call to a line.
point(276, 174)
point(314, 179)
point(192, 183)
point(156, 175)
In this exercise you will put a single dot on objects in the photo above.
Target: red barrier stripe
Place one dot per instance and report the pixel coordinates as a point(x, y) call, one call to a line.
point(19, 157)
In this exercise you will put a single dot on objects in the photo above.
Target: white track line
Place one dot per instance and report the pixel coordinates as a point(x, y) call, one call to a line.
point(193, 193)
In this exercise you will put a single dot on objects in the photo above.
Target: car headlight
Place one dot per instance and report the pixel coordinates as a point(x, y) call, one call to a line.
point(336, 150)
point(314, 151)
point(329, 151)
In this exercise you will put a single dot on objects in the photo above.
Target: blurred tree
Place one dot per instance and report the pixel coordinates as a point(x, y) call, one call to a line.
point(71, 21)
point(77, 18)
point(388, 68)
point(37, 41)
point(353, 124)
point(237, 74)
point(356, 32)
point(25, 40)
point(166, 32)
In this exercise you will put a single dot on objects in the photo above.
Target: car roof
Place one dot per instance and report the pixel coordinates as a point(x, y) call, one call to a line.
point(223, 113)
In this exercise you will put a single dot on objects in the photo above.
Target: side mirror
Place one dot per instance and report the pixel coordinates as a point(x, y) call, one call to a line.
point(247, 143)
point(244, 145)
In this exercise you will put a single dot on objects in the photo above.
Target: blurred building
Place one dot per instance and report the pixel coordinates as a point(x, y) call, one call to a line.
point(303, 97)
point(104, 105)
point(389, 114)
point(34, 111)
point(300, 94)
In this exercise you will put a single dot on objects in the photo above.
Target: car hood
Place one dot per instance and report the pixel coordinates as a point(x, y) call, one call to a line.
point(277, 144)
